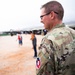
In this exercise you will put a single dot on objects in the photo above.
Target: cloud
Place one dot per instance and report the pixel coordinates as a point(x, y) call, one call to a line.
point(25, 13)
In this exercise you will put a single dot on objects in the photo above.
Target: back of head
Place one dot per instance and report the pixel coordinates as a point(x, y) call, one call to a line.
point(56, 7)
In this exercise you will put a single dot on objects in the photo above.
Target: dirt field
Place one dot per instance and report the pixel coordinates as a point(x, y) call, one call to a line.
point(15, 59)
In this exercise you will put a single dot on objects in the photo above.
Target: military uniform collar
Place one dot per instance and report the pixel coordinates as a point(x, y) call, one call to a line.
point(59, 25)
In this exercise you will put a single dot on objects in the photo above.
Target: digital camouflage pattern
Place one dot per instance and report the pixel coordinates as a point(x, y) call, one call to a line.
point(54, 49)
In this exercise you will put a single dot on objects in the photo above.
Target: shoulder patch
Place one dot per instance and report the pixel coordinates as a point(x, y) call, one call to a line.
point(38, 63)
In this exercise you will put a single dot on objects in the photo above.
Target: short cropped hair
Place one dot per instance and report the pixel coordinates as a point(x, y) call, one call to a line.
point(56, 7)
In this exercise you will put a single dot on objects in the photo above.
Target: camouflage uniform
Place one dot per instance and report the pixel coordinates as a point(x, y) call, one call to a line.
point(58, 42)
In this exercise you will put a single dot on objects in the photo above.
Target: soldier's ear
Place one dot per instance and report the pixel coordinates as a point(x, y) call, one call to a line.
point(52, 15)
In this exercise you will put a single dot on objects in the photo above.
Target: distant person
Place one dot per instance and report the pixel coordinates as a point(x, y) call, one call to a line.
point(34, 44)
point(45, 31)
point(57, 49)
point(20, 39)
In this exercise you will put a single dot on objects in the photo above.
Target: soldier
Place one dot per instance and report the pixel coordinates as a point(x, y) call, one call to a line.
point(56, 44)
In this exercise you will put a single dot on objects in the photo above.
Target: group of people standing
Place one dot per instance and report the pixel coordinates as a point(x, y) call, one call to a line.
point(34, 42)
point(56, 48)
point(20, 39)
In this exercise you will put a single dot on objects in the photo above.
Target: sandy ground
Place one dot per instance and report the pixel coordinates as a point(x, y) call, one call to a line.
point(15, 59)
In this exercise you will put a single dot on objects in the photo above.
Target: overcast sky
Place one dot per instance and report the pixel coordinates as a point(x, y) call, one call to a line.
point(20, 14)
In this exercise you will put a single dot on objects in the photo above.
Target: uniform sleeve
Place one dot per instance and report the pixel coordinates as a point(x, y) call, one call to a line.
point(44, 62)
point(73, 32)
